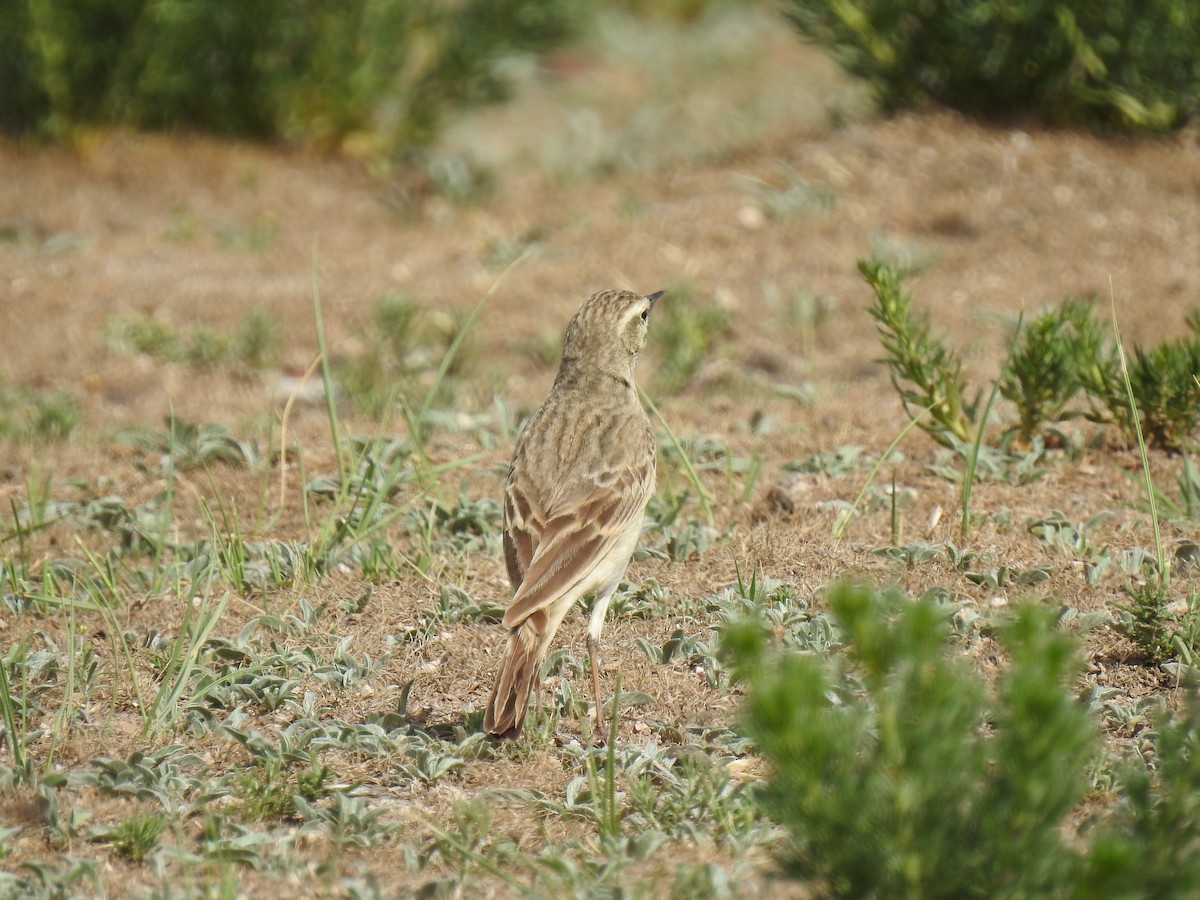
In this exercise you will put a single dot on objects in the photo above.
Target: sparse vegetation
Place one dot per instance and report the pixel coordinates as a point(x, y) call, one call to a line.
point(804, 315)
point(265, 659)
point(788, 195)
point(402, 345)
point(37, 417)
point(1062, 353)
point(253, 344)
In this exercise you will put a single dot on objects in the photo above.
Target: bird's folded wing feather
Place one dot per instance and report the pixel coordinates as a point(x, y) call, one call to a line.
point(576, 537)
point(522, 528)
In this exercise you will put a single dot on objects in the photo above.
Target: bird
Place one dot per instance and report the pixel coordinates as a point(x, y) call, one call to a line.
point(582, 472)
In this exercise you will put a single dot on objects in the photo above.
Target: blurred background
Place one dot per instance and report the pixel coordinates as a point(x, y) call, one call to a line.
point(174, 173)
point(386, 77)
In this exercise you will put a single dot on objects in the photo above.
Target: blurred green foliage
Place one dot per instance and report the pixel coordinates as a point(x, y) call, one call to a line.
point(1128, 64)
point(310, 69)
point(37, 417)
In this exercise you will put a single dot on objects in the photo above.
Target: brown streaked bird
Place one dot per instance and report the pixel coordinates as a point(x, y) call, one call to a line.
point(580, 479)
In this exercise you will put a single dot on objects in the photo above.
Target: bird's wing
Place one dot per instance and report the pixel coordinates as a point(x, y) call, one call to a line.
point(574, 539)
point(523, 526)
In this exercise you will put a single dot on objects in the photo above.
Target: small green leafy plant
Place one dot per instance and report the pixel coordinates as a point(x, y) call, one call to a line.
point(925, 372)
point(1045, 368)
point(1163, 381)
point(1145, 620)
point(37, 418)
point(133, 838)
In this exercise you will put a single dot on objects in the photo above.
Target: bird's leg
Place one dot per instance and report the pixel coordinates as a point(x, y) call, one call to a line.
point(595, 624)
point(599, 736)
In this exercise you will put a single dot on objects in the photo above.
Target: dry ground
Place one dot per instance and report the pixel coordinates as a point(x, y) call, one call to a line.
point(194, 232)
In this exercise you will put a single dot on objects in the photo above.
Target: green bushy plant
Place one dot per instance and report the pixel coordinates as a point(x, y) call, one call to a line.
point(303, 68)
point(1048, 361)
point(1062, 354)
point(1163, 381)
point(925, 372)
point(1146, 621)
point(899, 773)
point(1124, 63)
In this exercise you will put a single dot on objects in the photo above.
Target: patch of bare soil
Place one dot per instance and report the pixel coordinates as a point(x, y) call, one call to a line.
point(194, 232)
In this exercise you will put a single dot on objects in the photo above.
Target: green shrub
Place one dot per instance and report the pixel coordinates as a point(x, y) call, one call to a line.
point(314, 69)
point(1125, 63)
point(1047, 362)
point(899, 773)
point(1064, 352)
point(925, 372)
point(1165, 390)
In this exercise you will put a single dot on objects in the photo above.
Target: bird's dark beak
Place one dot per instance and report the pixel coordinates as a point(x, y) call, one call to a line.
point(654, 296)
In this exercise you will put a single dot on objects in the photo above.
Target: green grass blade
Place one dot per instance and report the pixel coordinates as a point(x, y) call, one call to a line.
point(116, 632)
point(335, 431)
point(448, 356)
point(973, 461)
point(66, 710)
point(693, 476)
point(16, 740)
point(185, 653)
point(1164, 564)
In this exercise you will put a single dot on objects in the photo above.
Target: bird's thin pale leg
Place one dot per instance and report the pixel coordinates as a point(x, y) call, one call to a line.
point(593, 647)
point(595, 627)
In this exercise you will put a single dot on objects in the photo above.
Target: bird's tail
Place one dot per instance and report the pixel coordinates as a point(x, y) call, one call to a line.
point(519, 672)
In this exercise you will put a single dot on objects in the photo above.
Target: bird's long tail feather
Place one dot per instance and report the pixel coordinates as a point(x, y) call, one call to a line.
point(519, 673)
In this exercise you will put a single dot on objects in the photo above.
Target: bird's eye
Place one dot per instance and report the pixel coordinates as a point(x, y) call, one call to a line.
point(645, 315)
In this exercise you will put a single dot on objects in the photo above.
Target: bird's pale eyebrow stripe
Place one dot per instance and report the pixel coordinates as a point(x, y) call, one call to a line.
point(634, 311)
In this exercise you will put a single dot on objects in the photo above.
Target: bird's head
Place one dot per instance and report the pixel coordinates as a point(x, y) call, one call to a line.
point(609, 330)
